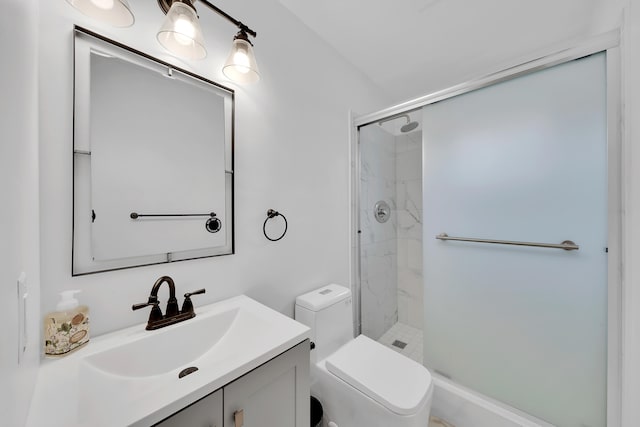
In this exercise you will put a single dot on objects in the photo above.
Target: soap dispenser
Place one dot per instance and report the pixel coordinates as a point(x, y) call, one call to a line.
point(67, 328)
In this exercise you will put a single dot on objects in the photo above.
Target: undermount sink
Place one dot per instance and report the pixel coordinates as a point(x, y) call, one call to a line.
point(137, 377)
point(164, 350)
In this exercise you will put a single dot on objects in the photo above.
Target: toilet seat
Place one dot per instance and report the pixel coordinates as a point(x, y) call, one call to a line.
point(394, 381)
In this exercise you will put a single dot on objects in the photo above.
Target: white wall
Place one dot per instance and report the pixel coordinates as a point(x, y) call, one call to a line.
point(291, 154)
point(19, 247)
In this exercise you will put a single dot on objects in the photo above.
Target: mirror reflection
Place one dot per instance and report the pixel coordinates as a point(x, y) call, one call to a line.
point(153, 176)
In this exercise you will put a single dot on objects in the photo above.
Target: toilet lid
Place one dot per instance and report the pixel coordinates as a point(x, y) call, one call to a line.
point(393, 380)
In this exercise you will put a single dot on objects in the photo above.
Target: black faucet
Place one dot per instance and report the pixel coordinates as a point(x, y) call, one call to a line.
point(172, 314)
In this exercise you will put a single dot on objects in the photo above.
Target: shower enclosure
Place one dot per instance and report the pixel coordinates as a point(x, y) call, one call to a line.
point(391, 247)
point(484, 240)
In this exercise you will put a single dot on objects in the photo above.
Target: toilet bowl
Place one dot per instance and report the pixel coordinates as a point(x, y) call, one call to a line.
point(360, 382)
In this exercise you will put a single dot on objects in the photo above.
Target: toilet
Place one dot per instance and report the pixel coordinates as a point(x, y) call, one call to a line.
point(360, 382)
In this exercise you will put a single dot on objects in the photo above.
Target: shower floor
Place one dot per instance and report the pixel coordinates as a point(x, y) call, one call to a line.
point(407, 341)
point(400, 334)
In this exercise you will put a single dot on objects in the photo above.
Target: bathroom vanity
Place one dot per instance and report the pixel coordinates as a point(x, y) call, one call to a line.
point(237, 363)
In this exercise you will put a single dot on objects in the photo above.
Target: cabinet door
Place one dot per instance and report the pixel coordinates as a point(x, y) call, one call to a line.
point(275, 394)
point(206, 412)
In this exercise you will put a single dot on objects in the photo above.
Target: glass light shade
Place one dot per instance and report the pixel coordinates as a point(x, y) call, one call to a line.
point(115, 12)
point(181, 33)
point(241, 66)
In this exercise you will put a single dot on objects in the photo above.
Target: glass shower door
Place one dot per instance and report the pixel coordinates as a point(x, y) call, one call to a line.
point(378, 247)
point(523, 160)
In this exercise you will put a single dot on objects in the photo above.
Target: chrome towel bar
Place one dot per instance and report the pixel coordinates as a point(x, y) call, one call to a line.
point(567, 245)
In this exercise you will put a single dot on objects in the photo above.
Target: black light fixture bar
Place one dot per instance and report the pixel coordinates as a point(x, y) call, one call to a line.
point(235, 22)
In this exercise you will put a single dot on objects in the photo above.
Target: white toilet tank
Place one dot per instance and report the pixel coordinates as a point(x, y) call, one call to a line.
point(328, 312)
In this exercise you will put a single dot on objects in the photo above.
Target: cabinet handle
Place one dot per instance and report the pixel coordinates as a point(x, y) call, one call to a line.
point(238, 417)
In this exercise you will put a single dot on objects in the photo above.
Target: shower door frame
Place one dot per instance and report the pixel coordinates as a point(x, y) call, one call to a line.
point(610, 44)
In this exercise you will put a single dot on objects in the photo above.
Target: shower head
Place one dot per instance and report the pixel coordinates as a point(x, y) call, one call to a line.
point(407, 127)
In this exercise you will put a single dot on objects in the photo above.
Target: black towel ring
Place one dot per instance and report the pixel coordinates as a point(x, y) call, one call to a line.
point(272, 214)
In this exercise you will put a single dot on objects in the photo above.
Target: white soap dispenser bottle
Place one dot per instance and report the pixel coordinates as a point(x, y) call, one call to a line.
point(67, 328)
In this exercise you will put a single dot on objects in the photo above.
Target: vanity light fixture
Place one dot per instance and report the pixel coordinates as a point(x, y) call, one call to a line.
point(115, 12)
point(181, 33)
point(241, 64)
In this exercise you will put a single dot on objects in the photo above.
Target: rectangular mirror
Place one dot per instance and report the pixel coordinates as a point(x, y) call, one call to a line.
point(153, 160)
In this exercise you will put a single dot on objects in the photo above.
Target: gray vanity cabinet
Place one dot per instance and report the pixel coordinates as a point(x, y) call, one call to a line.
point(205, 412)
point(275, 394)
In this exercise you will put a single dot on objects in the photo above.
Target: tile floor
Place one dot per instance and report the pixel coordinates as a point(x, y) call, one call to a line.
point(405, 334)
point(407, 340)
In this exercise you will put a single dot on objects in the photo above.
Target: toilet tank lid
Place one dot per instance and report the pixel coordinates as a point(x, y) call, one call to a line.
point(323, 297)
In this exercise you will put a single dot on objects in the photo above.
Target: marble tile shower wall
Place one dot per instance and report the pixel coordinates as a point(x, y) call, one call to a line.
point(378, 242)
point(408, 157)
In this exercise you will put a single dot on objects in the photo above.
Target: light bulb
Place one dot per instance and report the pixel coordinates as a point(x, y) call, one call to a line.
point(241, 62)
point(103, 4)
point(184, 31)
